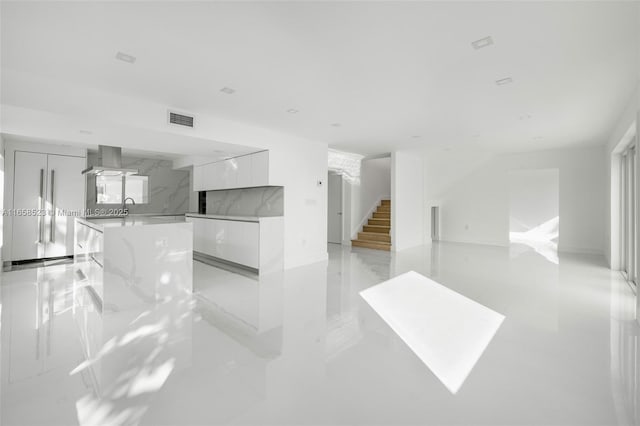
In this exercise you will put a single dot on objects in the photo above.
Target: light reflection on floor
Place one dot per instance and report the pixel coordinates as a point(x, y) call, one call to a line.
point(304, 347)
point(446, 330)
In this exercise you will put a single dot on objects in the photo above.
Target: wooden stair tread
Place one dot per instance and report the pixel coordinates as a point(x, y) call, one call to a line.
point(377, 245)
point(379, 221)
point(375, 228)
point(374, 236)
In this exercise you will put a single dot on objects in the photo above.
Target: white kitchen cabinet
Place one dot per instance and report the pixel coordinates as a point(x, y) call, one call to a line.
point(229, 173)
point(204, 235)
point(244, 171)
point(239, 172)
point(214, 175)
point(231, 240)
point(250, 247)
point(235, 242)
point(222, 229)
point(204, 177)
point(89, 244)
point(213, 234)
point(198, 233)
point(51, 184)
point(198, 178)
point(242, 243)
point(260, 168)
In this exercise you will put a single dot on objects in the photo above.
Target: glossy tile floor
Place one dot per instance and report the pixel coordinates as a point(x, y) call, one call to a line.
point(303, 347)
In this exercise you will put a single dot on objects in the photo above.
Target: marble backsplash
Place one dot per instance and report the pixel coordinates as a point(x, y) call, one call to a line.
point(261, 201)
point(169, 189)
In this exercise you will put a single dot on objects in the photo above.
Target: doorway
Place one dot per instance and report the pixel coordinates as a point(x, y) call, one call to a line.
point(334, 208)
point(435, 223)
point(628, 235)
point(534, 211)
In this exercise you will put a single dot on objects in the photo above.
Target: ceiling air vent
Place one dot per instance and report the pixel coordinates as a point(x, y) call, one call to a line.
point(180, 119)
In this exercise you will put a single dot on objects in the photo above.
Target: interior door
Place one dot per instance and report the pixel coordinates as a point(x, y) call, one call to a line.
point(29, 185)
point(65, 197)
point(334, 209)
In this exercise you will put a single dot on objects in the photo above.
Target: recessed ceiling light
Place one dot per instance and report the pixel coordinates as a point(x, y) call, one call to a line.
point(124, 57)
point(336, 124)
point(483, 42)
point(227, 90)
point(503, 81)
point(86, 132)
point(292, 111)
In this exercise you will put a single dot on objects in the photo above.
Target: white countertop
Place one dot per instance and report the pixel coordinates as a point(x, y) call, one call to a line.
point(118, 222)
point(227, 217)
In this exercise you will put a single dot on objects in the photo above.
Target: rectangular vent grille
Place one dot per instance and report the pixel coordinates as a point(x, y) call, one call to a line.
point(180, 120)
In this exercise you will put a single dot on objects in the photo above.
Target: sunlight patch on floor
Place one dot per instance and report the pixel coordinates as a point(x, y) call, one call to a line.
point(446, 330)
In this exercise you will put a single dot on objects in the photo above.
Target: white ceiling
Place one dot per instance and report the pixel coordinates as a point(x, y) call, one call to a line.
point(393, 74)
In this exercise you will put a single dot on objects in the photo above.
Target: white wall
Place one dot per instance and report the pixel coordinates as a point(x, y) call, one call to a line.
point(2, 204)
point(475, 209)
point(187, 163)
point(442, 170)
point(298, 166)
point(533, 198)
point(56, 110)
point(350, 191)
point(407, 200)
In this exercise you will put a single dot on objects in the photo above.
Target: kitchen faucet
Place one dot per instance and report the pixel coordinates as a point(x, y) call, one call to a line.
point(125, 202)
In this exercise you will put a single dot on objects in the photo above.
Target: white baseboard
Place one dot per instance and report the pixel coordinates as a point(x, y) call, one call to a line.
point(574, 250)
point(480, 243)
point(581, 250)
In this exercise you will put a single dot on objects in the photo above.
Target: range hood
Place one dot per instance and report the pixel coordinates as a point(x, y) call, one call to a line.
point(110, 163)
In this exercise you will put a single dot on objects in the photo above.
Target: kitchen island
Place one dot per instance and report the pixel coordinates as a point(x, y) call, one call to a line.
point(134, 261)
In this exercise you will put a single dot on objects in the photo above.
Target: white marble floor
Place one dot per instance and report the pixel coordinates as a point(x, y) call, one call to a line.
point(304, 347)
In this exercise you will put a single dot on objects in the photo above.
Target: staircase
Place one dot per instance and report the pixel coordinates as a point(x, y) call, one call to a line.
point(376, 233)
